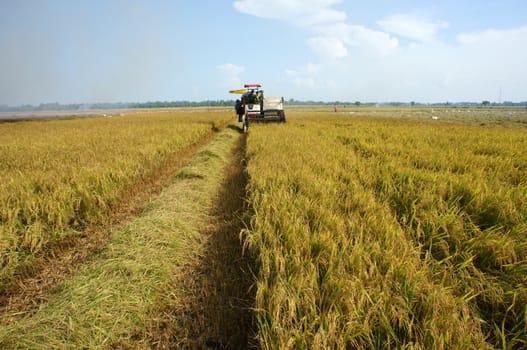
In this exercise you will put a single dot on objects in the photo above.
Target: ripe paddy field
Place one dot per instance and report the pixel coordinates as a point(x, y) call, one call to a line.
point(367, 228)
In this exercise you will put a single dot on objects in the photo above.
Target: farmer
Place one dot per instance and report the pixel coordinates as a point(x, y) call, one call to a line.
point(252, 97)
point(239, 109)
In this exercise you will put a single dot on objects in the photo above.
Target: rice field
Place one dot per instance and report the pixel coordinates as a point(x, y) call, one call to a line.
point(372, 228)
point(383, 232)
point(60, 176)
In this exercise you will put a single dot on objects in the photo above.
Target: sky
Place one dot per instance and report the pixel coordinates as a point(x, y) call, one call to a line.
point(88, 51)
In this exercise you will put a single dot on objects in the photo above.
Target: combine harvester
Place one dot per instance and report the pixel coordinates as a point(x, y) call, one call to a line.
point(254, 107)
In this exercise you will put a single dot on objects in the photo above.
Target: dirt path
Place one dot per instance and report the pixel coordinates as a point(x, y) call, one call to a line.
point(172, 277)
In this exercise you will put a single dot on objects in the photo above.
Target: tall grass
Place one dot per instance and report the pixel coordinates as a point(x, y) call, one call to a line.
point(382, 233)
point(59, 176)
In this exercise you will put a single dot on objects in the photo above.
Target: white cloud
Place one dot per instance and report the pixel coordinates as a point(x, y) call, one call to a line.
point(361, 63)
point(494, 58)
point(309, 80)
point(306, 77)
point(300, 12)
point(495, 52)
point(229, 75)
point(329, 47)
point(331, 34)
point(312, 68)
point(360, 36)
point(477, 68)
point(301, 81)
point(495, 37)
point(412, 27)
point(382, 42)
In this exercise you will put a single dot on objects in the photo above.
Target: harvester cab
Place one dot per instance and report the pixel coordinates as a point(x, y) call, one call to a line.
point(254, 107)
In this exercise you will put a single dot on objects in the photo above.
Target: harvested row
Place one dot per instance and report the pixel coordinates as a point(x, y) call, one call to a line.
point(380, 233)
point(60, 176)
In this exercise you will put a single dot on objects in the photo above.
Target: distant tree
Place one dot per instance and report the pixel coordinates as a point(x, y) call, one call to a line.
point(412, 103)
point(485, 103)
point(357, 103)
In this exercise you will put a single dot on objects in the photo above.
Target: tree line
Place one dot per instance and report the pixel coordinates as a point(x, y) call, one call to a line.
point(224, 103)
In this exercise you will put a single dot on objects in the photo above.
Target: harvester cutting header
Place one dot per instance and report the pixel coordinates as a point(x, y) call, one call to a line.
point(254, 107)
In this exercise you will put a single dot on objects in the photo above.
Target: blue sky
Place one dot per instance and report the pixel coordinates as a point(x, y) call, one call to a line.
point(378, 50)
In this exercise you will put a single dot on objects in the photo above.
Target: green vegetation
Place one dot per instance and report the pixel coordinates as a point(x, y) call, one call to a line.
point(388, 233)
